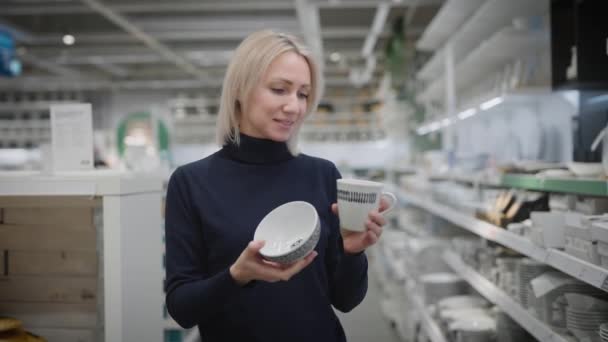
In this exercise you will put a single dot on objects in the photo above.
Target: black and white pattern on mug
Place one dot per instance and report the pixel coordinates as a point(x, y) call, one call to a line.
point(356, 197)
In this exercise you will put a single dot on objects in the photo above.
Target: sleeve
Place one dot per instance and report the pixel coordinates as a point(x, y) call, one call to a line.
point(191, 298)
point(347, 273)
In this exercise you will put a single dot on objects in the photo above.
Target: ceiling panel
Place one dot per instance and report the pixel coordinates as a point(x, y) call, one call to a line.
point(201, 33)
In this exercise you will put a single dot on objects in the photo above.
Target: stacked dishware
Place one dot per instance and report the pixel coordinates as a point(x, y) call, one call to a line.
point(528, 270)
point(599, 233)
point(604, 332)
point(441, 285)
point(468, 249)
point(462, 301)
point(579, 241)
point(548, 229)
point(428, 249)
point(473, 328)
point(548, 301)
point(507, 330)
point(451, 309)
point(507, 275)
point(585, 314)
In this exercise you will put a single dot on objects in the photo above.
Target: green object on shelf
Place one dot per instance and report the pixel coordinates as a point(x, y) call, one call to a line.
point(162, 132)
point(590, 187)
point(174, 335)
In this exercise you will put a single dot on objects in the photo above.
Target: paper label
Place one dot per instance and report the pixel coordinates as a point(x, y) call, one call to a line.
point(71, 137)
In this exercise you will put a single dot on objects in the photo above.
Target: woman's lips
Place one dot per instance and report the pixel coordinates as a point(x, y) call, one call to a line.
point(284, 123)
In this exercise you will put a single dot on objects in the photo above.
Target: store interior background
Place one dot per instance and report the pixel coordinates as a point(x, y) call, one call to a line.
point(447, 102)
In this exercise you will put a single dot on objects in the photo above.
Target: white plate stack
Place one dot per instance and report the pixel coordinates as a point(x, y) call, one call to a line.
point(507, 278)
point(604, 332)
point(585, 324)
point(585, 314)
point(473, 328)
point(507, 330)
point(551, 308)
point(441, 285)
point(528, 270)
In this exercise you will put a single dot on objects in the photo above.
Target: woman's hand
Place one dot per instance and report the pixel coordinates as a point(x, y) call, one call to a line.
point(355, 242)
point(251, 266)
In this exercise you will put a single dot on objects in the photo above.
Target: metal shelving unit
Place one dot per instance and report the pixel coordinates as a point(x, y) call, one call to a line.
point(487, 289)
point(428, 323)
point(575, 186)
point(580, 269)
point(580, 186)
point(503, 46)
point(491, 16)
point(451, 16)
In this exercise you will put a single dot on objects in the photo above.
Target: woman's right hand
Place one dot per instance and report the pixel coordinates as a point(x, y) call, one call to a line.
point(251, 266)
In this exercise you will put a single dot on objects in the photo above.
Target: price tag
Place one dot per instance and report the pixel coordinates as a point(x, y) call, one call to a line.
point(71, 137)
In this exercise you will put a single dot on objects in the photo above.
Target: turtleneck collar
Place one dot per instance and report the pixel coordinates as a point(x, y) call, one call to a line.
point(257, 151)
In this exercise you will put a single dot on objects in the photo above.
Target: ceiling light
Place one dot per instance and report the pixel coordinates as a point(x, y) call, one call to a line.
point(491, 103)
point(335, 57)
point(467, 113)
point(422, 130)
point(68, 39)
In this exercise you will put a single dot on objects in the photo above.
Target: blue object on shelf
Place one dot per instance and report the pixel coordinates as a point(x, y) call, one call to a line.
point(9, 63)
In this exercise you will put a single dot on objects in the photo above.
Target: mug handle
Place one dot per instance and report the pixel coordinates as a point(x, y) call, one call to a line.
point(393, 200)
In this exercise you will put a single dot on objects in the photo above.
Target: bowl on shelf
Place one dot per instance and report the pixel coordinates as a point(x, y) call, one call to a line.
point(290, 230)
point(586, 169)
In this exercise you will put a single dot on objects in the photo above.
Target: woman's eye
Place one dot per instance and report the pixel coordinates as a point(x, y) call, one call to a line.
point(303, 96)
point(278, 90)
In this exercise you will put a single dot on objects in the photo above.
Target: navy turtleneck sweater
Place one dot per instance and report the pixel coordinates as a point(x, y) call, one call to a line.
point(213, 207)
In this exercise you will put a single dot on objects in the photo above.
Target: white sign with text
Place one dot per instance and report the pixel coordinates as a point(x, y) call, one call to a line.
point(71, 137)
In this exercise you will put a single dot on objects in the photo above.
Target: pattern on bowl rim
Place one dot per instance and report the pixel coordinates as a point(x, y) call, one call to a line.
point(299, 252)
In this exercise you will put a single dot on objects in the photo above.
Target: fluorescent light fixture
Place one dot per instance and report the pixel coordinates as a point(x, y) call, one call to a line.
point(467, 113)
point(422, 130)
point(491, 103)
point(68, 39)
point(434, 126)
point(446, 122)
point(377, 25)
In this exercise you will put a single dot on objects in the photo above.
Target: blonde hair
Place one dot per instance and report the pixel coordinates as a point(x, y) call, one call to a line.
point(246, 69)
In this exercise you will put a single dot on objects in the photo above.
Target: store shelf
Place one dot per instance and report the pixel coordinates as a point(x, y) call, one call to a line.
point(77, 183)
point(488, 19)
point(428, 323)
point(487, 289)
point(30, 106)
point(449, 18)
point(490, 56)
point(580, 186)
point(580, 269)
point(470, 179)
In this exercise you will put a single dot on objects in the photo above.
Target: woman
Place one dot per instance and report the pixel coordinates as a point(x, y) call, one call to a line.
point(216, 278)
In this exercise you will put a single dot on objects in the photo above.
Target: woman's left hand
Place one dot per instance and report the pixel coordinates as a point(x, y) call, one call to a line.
point(355, 242)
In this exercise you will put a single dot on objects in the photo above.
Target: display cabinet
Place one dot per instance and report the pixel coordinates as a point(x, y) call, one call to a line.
point(82, 255)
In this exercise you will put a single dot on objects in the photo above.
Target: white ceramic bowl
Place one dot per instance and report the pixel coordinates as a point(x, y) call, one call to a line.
point(290, 230)
point(586, 169)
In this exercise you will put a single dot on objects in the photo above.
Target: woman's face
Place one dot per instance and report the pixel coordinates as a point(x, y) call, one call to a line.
point(277, 104)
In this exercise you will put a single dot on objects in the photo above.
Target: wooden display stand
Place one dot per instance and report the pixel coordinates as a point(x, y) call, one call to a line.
point(81, 255)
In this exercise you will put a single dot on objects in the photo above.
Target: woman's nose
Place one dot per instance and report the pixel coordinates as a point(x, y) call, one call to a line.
point(292, 104)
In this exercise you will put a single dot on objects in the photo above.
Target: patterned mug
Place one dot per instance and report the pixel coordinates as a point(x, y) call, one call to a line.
point(356, 198)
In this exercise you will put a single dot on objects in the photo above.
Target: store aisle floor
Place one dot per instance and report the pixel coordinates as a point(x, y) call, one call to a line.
point(366, 322)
